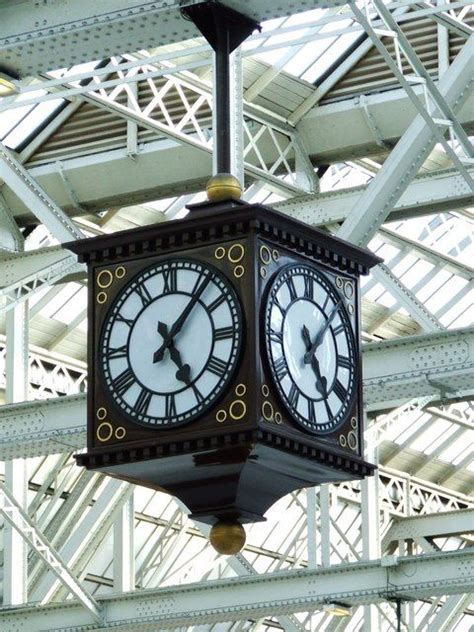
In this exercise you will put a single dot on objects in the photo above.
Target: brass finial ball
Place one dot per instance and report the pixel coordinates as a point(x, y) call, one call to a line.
point(227, 537)
point(222, 187)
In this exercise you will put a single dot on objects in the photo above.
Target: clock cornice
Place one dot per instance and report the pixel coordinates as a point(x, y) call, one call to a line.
point(213, 222)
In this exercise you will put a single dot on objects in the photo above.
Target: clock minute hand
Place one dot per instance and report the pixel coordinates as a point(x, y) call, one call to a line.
point(179, 322)
point(320, 335)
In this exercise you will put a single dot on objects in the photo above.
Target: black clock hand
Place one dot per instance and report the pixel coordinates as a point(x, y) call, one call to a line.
point(184, 370)
point(179, 322)
point(321, 381)
point(320, 335)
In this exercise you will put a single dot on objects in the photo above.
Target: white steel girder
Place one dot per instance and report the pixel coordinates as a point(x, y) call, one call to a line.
point(403, 163)
point(43, 427)
point(25, 288)
point(86, 535)
point(77, 32)
point(49, 375)
point(23, 274)
point(11, 239)
point(272, 594)
point(19, 520)
point(431, 92)
point(430, 525)
point(273, 142)
point(435, 192)
point(17, 178)
point(439, 364)
point(334, 132)
point(17, 267)
point(406, 298)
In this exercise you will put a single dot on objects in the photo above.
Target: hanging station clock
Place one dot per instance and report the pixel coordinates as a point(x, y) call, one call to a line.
point(224, 358)
point(224, 349)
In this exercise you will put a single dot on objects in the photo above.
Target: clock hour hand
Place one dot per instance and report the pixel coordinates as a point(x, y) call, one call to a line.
point(320, 335)
point(183, 374)
point(321, 381)
point(184, 370)
point(179, 322)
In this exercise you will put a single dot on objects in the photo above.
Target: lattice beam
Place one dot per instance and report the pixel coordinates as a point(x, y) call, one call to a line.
point(266, 595)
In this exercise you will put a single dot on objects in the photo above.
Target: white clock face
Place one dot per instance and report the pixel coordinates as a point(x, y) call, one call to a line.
point(170, 342)
point(310, 348)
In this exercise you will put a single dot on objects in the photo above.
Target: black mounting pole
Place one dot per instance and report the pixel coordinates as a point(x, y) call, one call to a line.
point(222, 104)
point(224, 29)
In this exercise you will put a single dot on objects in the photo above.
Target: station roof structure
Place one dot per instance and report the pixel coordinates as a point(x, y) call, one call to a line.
point(346, 118)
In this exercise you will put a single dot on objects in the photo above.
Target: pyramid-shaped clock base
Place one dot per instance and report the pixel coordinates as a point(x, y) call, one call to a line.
point(235, 476)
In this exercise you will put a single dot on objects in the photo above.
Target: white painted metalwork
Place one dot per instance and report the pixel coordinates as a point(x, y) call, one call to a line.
point(18, 179)
point(134, 147)
point(404, 161)
point(234, 599)
point(16, 516)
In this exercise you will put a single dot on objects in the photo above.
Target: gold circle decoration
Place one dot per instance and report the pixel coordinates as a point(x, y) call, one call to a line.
point(265, 390)
point(339, 282)
point(265, 254)
point(263, 272)
point(267, 411)
point(278, 418)
point(275, 255)
point(237, 409)
point(342, 441)
point(221, 415)
point(348, 289)
point(350, 309)
point(353, 422)
point(101, 413)
point(352, 440)
point(236, 253)
point(120, 432)
point(239, 271)
point(219, 252)
point(101, 297)
point(120, 272)
point(105, 431)
point(240, 390)
point(105, 279)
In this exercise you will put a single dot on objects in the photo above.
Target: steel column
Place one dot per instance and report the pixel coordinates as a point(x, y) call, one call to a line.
point(16, 479)
point(124, 555)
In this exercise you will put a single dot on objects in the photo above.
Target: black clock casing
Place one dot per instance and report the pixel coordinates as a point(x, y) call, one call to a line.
point(247, 449)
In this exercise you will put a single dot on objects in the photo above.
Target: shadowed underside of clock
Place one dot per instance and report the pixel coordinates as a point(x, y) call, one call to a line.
point(224, 358)
point(239, 479)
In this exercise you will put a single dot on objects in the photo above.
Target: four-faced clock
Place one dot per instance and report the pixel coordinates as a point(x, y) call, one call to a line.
point(224, 358)
point(310, 348)
point(170, 342)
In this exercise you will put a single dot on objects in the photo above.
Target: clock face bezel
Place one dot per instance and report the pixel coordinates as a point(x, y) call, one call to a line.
point(232, 299)
point(324, 279)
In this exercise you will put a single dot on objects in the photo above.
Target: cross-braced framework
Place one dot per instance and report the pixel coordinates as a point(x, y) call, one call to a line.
point(353, 117)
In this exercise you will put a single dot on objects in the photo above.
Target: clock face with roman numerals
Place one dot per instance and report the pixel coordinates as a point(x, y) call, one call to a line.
point(170, 343)
point(310, 347)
